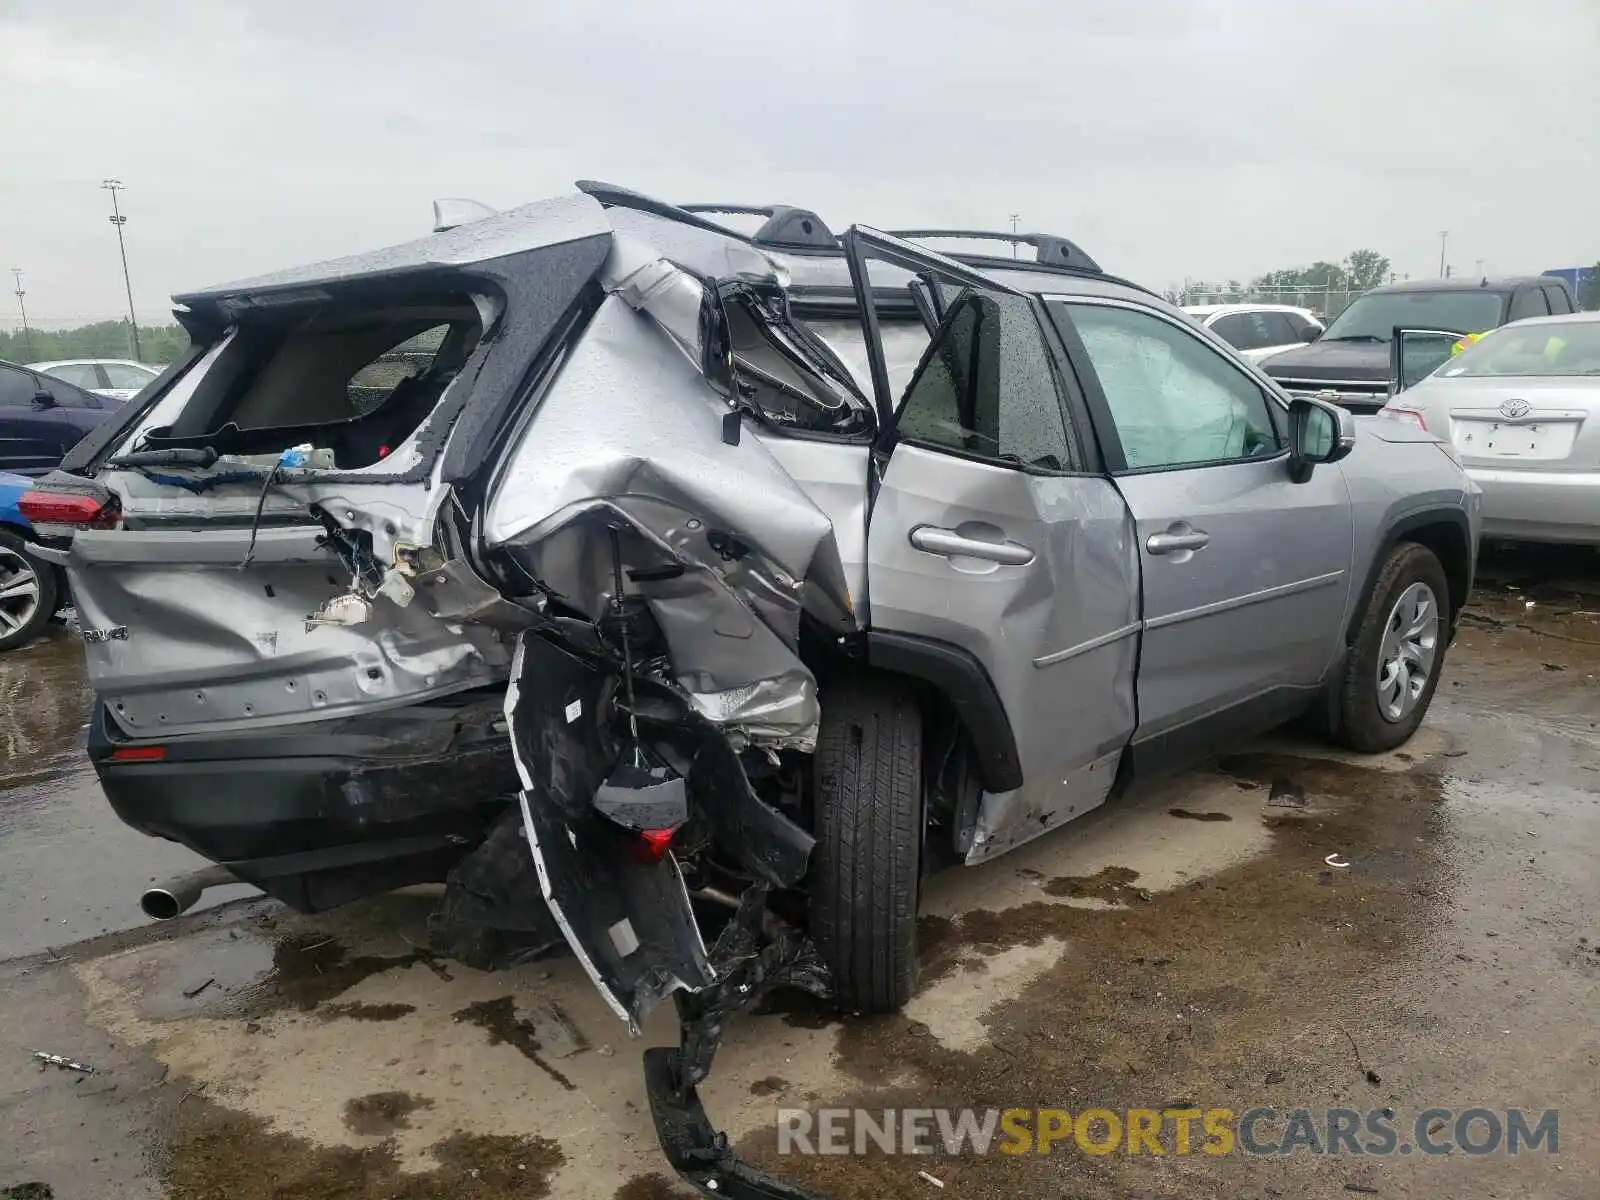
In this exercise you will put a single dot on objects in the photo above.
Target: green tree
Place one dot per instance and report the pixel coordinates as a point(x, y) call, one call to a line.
point(158, 344)
point(1366, 269)
point(1590, 297)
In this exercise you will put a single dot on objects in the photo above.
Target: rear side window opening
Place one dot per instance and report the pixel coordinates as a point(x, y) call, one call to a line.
point(356, 381)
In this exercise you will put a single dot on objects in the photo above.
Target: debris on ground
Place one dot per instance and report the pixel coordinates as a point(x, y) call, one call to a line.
point(191, 993)
point(1286, 793)
point(1334, 860)
point(933, 1179)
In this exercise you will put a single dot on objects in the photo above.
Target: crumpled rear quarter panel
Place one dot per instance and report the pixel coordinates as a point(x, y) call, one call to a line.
point(630, 433)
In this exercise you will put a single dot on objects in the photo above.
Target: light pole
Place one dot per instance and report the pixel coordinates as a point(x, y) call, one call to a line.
point(117, 219)
point(1015, 217)
point(27, 334)
point(1444, 236)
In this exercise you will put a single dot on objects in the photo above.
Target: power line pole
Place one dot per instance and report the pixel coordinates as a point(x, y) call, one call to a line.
point(27, 334)
point(1015, 217)
point(1444, 236)
point(117, 219)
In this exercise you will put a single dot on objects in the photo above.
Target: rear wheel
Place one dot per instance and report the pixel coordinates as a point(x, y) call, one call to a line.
point(27, 592)
point(1398, 653)
point(865, 869)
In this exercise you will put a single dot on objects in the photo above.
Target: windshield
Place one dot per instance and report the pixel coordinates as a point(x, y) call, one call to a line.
point(1373, 317)
point(1564, 348)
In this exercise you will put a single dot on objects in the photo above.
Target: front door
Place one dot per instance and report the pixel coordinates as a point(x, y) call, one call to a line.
point(1245, 570)
point(992, 532)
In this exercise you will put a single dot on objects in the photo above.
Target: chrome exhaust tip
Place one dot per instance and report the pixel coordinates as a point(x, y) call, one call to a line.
point(178, 895)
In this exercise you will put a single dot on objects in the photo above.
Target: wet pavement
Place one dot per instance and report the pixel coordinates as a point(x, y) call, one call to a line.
point(1191, 945)
point(68, 868)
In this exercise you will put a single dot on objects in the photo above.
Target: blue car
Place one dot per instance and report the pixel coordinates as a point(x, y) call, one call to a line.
point(30, 589)
point(42, 417)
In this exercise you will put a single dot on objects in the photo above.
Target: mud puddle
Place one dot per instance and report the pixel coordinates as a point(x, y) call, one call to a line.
point(1193, 995)
point(382, 1113)
point(218, 1154)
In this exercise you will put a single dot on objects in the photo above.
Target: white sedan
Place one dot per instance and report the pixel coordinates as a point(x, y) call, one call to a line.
point(1258, 331)
point(118, 378)
point(1521, 408)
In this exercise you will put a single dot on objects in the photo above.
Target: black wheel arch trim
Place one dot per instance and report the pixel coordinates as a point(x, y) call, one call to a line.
point(1397, 533)
point(962, 681)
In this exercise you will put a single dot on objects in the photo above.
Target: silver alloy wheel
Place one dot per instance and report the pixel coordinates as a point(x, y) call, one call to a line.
point(1405, 656)
point(19, 591)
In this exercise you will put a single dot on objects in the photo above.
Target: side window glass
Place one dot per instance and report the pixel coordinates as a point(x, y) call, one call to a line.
point(1236, 330)
point(16, 388)
point(1173, 399)
point(1281, 331)
point(1557, 298)
point(372, 385)
point(987, 387)
point(1528, 303)
point(119, 375)
point(81, 375)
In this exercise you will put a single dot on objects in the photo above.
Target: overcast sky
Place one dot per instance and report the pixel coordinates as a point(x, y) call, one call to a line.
point(1207, 139)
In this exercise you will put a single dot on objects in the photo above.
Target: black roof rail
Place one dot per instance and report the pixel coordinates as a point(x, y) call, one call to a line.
point(785, 225)
point(613, 195)
point(1053, 251)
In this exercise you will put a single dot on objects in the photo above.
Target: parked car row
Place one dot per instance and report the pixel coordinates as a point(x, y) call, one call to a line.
point(114, 378)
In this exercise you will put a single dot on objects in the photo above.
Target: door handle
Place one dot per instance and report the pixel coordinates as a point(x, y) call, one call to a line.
point(1174, 541)
point(950, 544)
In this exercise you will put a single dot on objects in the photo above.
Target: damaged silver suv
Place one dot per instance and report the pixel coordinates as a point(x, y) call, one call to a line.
point(658, 584)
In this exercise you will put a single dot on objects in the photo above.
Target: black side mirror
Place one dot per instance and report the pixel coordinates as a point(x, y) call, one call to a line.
point(1319, 432)
point(43, 399)
point(1310, 334)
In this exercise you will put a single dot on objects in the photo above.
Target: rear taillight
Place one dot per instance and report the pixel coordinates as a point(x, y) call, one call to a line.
point(1406, 416)
point(63, 512)
point(139, 754)
point(652, 845)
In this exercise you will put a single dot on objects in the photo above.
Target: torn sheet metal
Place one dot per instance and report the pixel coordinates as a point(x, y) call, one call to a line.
point(724, 545)
point(749, 963)
point(629, 922)
point(625, 912)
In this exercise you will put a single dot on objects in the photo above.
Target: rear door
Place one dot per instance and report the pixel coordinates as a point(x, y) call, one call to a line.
point(993, 532)
point(1245, 573)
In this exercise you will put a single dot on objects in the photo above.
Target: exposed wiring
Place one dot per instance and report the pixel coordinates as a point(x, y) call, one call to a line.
point(255, 523)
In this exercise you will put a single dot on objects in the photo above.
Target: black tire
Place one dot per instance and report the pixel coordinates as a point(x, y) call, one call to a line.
point(1362, 723)
point(13, 548)
point(866, 866)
